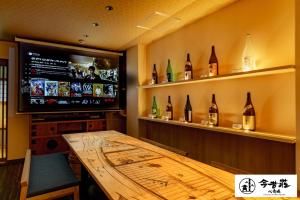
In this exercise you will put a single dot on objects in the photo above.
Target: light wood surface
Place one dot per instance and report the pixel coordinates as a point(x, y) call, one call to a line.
point(255, 134)
point(236, 75)
point(127, 168)
point(25, 175)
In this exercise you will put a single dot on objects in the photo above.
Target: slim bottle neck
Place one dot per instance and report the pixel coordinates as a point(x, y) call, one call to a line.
point(248, 99)
point(213, 100)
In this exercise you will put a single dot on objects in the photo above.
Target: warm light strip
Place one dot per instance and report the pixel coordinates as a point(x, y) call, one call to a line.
point(254, 73)
point(144, 27)
point(66, 46)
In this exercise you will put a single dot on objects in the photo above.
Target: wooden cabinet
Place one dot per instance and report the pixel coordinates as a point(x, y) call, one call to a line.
point(46, 136)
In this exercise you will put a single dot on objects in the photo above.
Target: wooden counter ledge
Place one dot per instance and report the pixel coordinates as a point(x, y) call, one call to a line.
point(255, 134)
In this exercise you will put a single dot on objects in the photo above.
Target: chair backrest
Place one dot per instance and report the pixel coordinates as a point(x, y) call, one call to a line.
point(25, 175)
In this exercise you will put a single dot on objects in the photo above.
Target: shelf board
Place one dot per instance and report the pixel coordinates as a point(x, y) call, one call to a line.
point(255, 134)
point(253, 73)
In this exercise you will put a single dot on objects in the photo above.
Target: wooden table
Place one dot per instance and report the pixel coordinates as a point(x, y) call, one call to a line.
point(127, 168)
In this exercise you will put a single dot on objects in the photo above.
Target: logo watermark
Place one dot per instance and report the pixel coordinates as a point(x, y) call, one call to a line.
point(266, 185)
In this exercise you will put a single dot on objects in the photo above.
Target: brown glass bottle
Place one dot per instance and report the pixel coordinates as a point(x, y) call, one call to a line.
point(154, 75)
point(213, 113)
point(249, 115)
point(188, 69)
point(169, 109)
point(213, 68)
point(188, 110)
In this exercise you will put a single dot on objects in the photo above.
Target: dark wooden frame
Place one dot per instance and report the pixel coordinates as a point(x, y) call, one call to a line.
point(4, 103)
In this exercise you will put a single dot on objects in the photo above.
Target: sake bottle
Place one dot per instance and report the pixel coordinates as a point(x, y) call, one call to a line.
point(249, 115)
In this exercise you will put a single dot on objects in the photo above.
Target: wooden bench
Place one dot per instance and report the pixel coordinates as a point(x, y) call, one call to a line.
point(47, 177)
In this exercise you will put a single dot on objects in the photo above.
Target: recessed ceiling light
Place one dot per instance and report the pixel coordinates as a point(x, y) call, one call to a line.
point(81, 41)
point(109, 8)
point(95, 24)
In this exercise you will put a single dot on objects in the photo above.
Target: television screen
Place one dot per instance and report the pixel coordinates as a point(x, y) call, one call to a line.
point(57, 79)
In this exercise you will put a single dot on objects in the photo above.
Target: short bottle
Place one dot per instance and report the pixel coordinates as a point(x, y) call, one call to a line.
point(188, 110)
point(154, 109)
point(248, 58)
point(154, 75)
point(169, 109)
point(213, 67)
point(213, 116)
point(169, 72)
point(249, 121)
point(188, 69)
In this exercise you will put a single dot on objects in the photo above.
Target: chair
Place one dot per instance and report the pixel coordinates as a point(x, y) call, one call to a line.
point(47, 177)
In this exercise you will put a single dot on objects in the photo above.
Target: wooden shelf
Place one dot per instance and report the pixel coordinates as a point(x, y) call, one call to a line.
point(253, 73)
point(255, 134)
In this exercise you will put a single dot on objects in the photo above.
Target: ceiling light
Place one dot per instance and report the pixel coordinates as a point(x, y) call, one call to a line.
point(95, 24)
point(109, 8)
point(144, 27)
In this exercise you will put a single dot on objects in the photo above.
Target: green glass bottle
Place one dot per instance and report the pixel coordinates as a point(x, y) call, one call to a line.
point(169, 72)
point(154, 110)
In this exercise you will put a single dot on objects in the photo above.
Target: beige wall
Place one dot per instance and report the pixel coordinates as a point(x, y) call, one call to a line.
point(272, 25)
point(18, 125)
point(132, 90)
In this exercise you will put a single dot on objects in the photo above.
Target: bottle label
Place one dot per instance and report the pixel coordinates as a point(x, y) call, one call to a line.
point(213, 119)
point(213, 69)
point(154, 111)
point(153, 81)
point(249, 123)
point(169, 114)
point(187, 75)
point(189, 119)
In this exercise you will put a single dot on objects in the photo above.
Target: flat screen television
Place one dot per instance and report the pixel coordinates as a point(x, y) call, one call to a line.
point(56, 79)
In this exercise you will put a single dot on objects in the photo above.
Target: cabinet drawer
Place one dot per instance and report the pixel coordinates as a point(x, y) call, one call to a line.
point(71, 127)
point(44, 129)
point(96, 125)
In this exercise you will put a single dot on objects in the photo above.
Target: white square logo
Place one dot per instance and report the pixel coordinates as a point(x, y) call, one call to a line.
point(266, 185)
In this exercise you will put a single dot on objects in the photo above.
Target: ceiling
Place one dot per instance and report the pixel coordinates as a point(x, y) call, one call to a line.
point(68, 21)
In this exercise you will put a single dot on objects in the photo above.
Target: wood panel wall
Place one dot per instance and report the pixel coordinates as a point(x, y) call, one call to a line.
point(253, 155)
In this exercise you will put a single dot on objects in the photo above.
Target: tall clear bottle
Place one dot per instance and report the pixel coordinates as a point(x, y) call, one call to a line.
point(154, 109)
point(188, 69)
point(213, 113)
point(188, 110)
point(248, 57)
point(169, 109)
point(249, 121)
point(169, 72)
point(213, 67)
point(154, 75)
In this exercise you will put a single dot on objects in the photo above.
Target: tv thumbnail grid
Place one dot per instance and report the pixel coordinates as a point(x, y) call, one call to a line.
point(41, 91)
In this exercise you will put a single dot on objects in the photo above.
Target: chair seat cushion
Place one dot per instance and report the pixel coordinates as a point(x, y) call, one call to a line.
point(49, 173)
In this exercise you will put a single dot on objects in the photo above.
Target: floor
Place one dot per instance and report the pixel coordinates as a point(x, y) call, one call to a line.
point(10, 175)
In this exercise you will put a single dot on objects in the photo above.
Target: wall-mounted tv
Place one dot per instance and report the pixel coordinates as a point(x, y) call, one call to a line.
point(54, 79)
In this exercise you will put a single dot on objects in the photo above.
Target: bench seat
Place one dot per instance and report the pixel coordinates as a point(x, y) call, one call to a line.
point(49, 176)
point(49, 173)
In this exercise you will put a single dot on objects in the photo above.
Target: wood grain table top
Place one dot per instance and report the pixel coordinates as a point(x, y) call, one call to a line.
point(128, 168)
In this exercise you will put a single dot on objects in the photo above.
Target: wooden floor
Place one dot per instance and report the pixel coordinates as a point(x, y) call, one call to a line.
point(10, 175)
